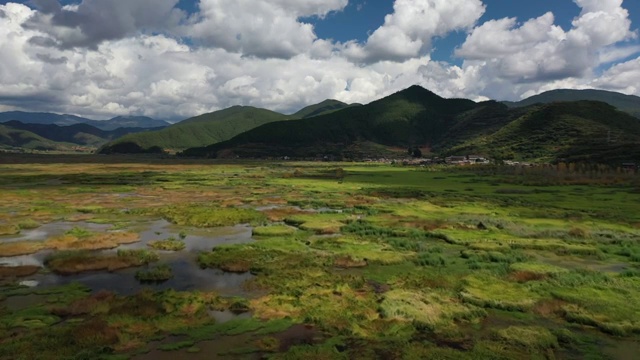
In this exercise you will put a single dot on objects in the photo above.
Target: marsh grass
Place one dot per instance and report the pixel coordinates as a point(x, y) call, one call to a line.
point(407, 271)
point(79, 232)
point(274, 230)
point(28, 224)
point(532, 338)
point(600, 300)
point(489, 292)
point(436, 309)
point(214, 216)
point(85, 241)
point(159, 273)
point(322, 223)
point(9, 229)
point(170, 244)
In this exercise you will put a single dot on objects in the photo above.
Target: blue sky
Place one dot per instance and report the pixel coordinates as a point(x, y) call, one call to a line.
point(361, 17)
point(177, 58)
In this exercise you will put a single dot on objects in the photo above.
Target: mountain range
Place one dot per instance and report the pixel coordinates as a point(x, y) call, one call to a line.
point(575, 131)
point(626, 103)
point(66, 120)
point(584, 125)
point(214, 127)
point(81, 136)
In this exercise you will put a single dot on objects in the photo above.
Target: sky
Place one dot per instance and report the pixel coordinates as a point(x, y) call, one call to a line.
point(173, 59)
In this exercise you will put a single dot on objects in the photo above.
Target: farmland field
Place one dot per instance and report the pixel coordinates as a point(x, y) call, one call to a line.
point(142, 258)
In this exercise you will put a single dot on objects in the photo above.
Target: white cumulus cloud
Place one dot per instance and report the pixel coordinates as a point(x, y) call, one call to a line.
point(161, 62)
point(409, 31)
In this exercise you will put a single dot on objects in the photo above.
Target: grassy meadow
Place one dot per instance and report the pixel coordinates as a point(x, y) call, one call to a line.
point(346, 260)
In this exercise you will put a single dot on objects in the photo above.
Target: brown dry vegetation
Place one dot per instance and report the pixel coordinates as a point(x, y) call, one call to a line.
point(69, 242)
point(17, 271)
point(76, 266)
point(526, 276)
point(81, 261)
point(95, 242)
point(236, 266)
point(20, 248)
point(347, 262)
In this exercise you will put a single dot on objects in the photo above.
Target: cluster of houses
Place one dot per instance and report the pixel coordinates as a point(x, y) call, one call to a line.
point(451, 160)
point(466, 160)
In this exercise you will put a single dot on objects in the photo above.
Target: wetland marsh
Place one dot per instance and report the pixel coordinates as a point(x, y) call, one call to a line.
point(152, 259)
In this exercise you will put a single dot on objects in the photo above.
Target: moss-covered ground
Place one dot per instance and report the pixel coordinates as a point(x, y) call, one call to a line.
point(350, 261)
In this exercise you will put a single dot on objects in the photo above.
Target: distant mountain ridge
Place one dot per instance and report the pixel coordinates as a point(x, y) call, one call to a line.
point(627, 103)
point(56, 137)
point(66, 120)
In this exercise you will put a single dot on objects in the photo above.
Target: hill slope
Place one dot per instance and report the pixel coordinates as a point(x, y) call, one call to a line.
point(15, 138)
point(626, 103)
point(412, 116)
point(198, 131)
point(323, 108)
point(557, 130)
point(213, 127)
point(80, 134)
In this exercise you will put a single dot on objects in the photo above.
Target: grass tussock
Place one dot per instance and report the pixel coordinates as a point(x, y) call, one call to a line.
point(608, 303)
point(201, 216)
point(531, 338)
point(433, 310)
point(9, 229)
point(486, 291)
point(74, 262)
point(19, 248)
point(8, 272)
point(159, 273)
point(77, 239)
point(170, 244)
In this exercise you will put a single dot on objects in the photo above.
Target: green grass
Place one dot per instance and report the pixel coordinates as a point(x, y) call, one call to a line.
point(324, 223)
point(608, 303)
point(537, 268)
point(489, 292)
point(433, 310)
point(201, 216)
point(533, 338)
point(274, 230)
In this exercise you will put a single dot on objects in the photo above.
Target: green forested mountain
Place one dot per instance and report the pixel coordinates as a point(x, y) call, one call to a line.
point(213, 128)
point(410, 117)
point(418, 117)
point(197, 131)
point(626, 103)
